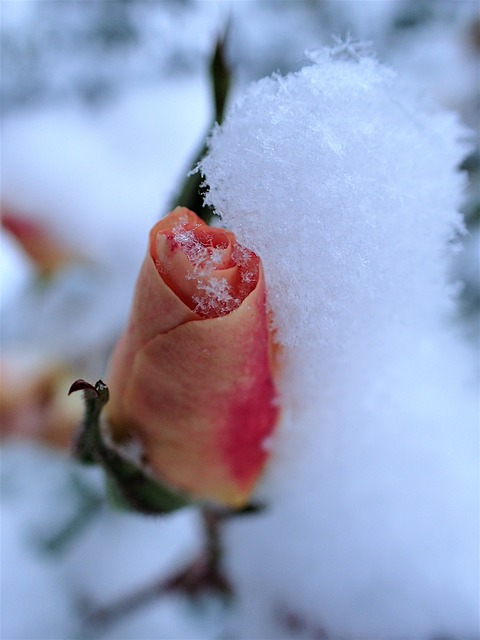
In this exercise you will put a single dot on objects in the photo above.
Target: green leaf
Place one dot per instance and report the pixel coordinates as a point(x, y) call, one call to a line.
point(191, 192)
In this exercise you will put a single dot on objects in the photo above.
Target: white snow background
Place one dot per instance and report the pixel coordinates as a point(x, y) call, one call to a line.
point(344, 182)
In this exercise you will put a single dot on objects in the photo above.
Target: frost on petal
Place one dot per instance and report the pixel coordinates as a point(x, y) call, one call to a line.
point(212, 273)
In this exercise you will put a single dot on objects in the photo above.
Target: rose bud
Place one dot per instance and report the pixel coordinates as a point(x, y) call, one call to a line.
point(192, 376)
point(47, 251)
point(33, 404)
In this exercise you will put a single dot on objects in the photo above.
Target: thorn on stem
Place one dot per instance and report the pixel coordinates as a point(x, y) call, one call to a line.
point(82, 385)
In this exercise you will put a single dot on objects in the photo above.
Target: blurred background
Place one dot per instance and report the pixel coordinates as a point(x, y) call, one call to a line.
point(105, 106)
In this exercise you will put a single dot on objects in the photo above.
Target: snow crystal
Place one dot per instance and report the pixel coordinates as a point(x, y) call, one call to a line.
point(344, 182)
point(332, 175)
point(199, 254)
point(215, 296)
point(214, 292)
point(210, 257)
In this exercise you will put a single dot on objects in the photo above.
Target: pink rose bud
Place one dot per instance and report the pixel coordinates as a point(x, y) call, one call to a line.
point(192, 376)
point(47, 251)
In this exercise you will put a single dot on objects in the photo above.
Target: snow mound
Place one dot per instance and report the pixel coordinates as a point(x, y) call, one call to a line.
point(344, 182)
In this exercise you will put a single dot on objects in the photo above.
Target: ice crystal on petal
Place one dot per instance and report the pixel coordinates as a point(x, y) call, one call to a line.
point(217, 295)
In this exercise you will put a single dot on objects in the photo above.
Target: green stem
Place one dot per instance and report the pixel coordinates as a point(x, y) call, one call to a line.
point(131, 485)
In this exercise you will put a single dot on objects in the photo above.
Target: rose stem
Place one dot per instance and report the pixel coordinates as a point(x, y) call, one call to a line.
point(200, 576)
